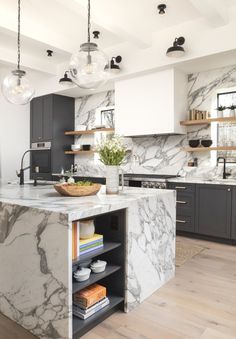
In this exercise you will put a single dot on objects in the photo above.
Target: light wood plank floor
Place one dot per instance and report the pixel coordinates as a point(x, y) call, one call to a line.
point(200, 302)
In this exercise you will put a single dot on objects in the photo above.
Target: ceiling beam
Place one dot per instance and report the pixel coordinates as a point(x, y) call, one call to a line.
point(214, 11)
point(80, 7)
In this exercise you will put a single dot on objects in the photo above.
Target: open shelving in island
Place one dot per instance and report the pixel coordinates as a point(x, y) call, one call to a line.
point(113, 278)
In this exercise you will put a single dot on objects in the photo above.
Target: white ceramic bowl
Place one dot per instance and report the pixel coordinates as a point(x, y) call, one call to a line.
point(98, 266)
point(82, 274)
point(75, 147)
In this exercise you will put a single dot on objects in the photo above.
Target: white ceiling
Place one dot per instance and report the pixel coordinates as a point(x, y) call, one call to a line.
point(128, 27)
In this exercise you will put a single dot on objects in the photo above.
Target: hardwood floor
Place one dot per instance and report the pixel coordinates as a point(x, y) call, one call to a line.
point(200, 302)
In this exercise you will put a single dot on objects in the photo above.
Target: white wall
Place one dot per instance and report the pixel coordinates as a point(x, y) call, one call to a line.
point(14, 135)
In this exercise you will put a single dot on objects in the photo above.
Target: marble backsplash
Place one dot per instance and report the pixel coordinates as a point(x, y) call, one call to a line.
point(159, 154)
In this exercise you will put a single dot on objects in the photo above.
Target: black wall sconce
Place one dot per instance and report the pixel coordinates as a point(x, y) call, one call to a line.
point(176, 51)
point(161, 9)
point(66, 80)
point(49, 52)
point(96, 34)
point(114, 67)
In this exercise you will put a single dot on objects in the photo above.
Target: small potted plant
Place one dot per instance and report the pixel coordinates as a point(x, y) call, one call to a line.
point(231, 110)
point(112, 153)
point(220, 111)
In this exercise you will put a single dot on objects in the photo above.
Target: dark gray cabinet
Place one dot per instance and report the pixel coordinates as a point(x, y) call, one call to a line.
point(233, 224)
point(213, 210)
point(185, 206)
point(50, 116)
point(41, 118)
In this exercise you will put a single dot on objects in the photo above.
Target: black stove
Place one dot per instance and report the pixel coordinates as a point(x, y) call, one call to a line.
point(147, 180)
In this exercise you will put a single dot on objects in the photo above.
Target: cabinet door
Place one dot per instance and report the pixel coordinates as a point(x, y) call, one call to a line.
point(233, 228)
point(213, 212)
point(47, 117)
point(36, 119)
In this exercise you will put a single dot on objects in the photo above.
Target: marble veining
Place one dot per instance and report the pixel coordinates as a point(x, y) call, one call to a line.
point(164, 154)
point(33, 290)
point(36, 247)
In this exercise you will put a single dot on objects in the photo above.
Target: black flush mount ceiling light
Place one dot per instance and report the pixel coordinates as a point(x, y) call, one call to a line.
point(88, 66)
point(176, 51)
point(16, 87)
point(96, 34)
point(161, 9)
point(114, 67)
point(49, 52)
point(66, 80)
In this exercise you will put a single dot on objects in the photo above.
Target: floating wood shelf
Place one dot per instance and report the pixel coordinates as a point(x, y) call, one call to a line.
point(205, 149)
point(80, 152)
point(207, 121)
point(90, 131)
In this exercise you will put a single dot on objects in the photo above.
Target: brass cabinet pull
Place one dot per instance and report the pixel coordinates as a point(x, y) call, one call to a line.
point(181, 187)
point(181, 202)
point(181, 221)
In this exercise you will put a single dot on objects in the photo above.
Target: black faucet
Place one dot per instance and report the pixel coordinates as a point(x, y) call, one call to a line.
point(225, 175)
point(21, 174)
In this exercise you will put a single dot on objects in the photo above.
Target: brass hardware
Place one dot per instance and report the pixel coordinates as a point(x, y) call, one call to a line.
point(181, 187)
point(181, 202)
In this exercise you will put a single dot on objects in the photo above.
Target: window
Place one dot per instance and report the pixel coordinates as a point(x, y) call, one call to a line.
point(226, 133)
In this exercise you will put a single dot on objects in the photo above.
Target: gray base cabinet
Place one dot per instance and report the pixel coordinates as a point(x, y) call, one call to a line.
point(206, 209)
point(233, 227)
point(213, 210)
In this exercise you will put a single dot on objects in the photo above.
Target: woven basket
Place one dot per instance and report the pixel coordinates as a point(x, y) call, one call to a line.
point(71, 190)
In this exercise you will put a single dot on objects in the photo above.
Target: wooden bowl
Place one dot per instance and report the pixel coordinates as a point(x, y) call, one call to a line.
point(72, 190)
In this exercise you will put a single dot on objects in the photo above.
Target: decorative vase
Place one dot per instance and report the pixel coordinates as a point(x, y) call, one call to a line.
point(86, 229)
point(232, 113)
point(219, 114)
point(112, 179)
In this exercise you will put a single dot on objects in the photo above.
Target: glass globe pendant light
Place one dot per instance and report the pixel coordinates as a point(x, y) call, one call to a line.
point(16, 87)
point(88, 67)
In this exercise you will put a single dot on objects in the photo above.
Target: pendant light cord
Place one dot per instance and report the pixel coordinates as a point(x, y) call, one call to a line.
point(89, 23)
point(18, 37)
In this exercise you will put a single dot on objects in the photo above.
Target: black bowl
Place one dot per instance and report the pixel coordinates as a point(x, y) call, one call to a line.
point(86, 147)
point(194, 143)
point(206, 143)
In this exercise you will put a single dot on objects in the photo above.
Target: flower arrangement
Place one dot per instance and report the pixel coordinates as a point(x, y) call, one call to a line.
point(111, 151)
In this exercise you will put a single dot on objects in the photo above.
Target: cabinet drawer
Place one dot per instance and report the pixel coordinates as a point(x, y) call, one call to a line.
point(184, 223)
point(182, 187)
point(185, 203)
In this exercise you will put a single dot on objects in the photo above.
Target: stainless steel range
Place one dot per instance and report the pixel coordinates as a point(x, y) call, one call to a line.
point(158, 181)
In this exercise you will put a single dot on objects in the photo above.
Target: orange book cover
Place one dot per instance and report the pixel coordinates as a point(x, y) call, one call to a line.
point(90, 295)
point(75, 253)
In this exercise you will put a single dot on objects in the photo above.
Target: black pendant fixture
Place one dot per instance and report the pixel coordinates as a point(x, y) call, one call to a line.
point(66, 80)
point(114, 67)
point(176, 51)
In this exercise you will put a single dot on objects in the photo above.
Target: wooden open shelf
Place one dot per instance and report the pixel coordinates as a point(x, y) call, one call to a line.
point(207, 121)
point(80, 152)
point(205, 149)
point(91, 131)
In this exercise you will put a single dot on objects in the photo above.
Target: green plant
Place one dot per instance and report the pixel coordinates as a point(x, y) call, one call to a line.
point(112, 151)
point(232, 107)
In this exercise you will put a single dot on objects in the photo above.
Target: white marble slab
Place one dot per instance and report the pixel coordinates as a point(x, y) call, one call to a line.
point(36, 248)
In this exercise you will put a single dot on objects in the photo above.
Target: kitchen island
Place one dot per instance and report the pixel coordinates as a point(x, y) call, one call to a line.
point(36, 283)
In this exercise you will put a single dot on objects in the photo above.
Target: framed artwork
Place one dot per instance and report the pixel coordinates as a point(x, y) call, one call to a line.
point(107, 117)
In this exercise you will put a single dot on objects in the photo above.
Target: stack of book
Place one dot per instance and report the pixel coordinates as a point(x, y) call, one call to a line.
point(91, 244)
point(80, 247)
point(89, 301)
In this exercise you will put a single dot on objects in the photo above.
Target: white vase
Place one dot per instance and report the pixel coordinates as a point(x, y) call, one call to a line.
point(86, 229)
point(219, 114)
point(112, 179)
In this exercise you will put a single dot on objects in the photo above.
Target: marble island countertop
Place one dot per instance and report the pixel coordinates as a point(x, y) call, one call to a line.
point(201, 180)
point(45, 197)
